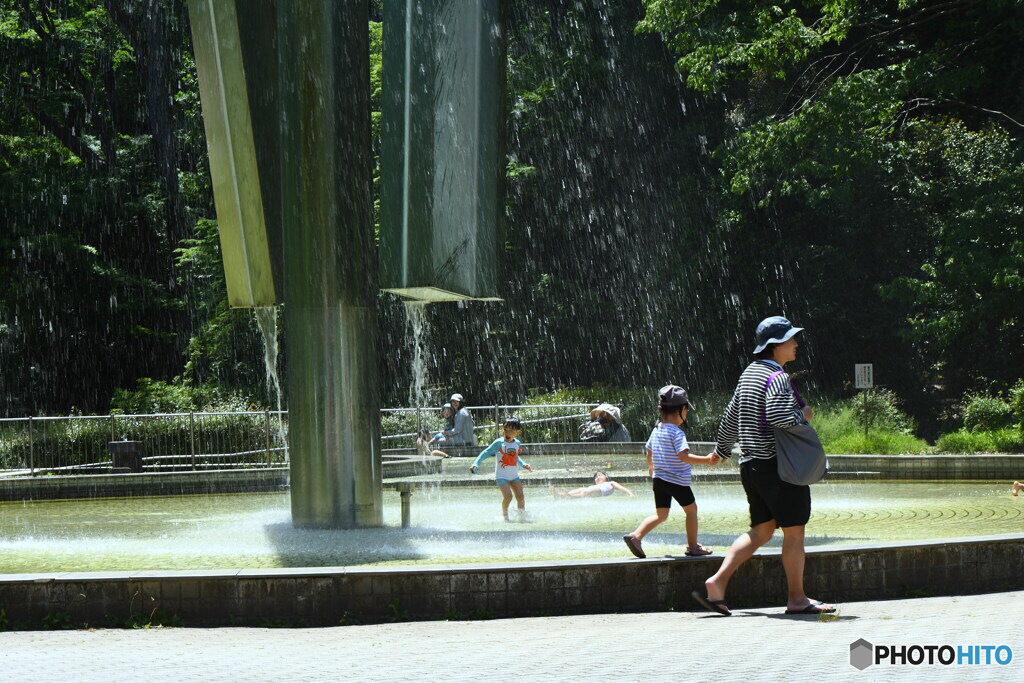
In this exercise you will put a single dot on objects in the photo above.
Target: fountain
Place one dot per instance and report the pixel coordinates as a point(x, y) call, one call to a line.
point(288, 132)
point(292, 203)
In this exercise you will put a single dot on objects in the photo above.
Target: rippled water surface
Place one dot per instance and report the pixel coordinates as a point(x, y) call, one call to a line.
point(463, 525)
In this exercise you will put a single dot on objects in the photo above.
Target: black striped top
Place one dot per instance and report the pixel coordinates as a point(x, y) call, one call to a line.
point(751, 405)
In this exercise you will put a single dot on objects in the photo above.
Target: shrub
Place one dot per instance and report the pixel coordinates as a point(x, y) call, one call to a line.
point(840, 426)
point(1016, 403)
point(1007, 440)
point(155, 396)
point(986, 413)
point(881, 408)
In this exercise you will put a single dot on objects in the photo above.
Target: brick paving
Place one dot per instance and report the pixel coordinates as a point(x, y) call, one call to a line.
point(753, 645)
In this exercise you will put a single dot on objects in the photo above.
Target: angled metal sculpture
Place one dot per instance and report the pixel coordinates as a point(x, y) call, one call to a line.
point(442, 148)
point(285, 95)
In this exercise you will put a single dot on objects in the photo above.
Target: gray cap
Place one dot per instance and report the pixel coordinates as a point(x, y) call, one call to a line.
point(671, 396)
point(774, 330)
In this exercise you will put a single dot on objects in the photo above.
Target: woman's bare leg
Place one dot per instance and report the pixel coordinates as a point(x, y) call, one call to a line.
point(740, 551)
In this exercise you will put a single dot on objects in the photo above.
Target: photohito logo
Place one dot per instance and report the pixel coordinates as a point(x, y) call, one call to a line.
point(863, 654)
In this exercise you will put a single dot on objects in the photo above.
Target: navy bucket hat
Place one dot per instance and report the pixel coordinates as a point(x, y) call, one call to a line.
point(671, 396)
point(774, 330)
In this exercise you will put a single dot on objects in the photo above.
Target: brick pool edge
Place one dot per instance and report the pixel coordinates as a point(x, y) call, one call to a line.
point(338, 595)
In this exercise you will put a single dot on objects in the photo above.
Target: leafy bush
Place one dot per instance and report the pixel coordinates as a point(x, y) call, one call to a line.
point(840, 426)
point(1007, 440)
point(155, 396)
point(986, 413)
point(880, 408)
point(1016, 403)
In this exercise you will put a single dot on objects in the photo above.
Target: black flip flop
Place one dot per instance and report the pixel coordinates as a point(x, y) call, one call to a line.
point(814, 608)
point(633, 543)
point(712, 605)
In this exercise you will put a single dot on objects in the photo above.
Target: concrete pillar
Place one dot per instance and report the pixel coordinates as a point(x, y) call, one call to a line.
point(285, 94)
point(330, 268)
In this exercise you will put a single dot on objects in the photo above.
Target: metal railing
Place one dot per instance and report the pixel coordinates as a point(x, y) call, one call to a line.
point(549, 423)
point(246, 439)
point(196, 440)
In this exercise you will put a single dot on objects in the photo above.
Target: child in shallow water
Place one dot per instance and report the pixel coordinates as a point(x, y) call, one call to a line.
point(506, 465)
point(603, 486)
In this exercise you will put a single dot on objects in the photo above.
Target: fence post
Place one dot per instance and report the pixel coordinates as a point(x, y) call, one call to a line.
point(266, 413)
point(497, 428)
point(192, 436)
point(31, 449)
point(112, 427)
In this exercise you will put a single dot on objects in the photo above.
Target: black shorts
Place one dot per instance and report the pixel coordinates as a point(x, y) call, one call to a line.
point(665, 491)
point(771, 498)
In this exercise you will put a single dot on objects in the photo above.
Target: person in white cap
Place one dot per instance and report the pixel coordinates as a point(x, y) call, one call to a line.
point(461, 432)
point(764, 398)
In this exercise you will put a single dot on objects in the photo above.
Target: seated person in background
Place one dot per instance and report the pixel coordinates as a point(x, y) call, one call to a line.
point(603, 486)
point(459, 433)
point(426, 442)
point(605, 424)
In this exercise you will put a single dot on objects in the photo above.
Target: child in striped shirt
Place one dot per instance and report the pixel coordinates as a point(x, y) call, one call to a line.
point(668, 462)
point(506, 466)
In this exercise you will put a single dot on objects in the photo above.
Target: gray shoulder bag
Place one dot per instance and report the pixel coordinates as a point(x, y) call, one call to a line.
point(798, 451)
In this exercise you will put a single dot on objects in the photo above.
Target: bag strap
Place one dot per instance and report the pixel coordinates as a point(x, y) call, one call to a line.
point(765, 429)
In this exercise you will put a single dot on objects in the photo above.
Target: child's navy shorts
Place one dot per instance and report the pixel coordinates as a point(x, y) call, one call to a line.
point(665, 491)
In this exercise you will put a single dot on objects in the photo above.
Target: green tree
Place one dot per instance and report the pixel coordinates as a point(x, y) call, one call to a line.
point(871, 158)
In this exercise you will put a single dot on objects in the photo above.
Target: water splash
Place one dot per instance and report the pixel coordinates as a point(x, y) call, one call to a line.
point(416, 322)
point(266, 319)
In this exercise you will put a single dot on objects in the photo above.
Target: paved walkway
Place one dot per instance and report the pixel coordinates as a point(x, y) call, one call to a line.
point(614, 647)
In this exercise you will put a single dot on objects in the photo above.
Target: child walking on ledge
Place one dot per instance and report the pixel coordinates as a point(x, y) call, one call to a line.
point(668, 462)
point(506, 466)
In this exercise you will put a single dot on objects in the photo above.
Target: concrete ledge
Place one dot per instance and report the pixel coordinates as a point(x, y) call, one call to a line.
point(336, 595)
point(948, 467)
point(143, 484)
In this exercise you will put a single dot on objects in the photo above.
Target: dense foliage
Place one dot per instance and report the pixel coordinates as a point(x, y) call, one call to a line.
point(677, 170)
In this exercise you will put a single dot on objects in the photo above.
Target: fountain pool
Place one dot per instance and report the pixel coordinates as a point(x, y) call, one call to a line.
point(460, 525)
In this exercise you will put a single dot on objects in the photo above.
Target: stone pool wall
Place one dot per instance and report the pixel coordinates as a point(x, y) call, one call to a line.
point(340, 595)
point(143, 484)
point(945, 467)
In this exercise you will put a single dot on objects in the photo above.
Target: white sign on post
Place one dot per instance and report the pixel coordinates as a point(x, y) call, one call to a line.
point(863, 375)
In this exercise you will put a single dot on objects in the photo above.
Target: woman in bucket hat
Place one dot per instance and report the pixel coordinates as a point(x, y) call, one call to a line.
point(764, 399)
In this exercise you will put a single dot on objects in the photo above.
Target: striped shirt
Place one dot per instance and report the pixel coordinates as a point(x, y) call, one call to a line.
point(666, 442)
point(751, 406)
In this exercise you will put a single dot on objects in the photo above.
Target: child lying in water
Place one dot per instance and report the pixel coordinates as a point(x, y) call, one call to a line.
point(603, 486)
